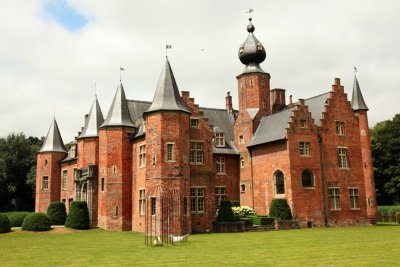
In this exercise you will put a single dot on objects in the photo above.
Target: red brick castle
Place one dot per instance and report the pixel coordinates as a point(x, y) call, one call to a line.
point(315, 153)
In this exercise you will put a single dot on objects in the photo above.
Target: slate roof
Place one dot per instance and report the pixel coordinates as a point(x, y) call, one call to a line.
point(94, 120)
point(118, 115)
point(167, 95)
point(53, 141)
point(357, 100)
point(273, 127)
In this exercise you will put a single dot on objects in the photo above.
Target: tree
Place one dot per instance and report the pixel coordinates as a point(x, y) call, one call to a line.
point(17, 159)
point(385, 144)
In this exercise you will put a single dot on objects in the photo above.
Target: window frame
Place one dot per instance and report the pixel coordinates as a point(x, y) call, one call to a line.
point(303, 123)
point(354, 198)
point(304, 148)
point(277, 194)
point(221, 165)
point(45, 183)
point(312, 179)
point(195, 125)
point(219, 139)
point(242, 188)
point(334, 198)
point(343, 159)
point(340, 128)
point(64, 180)
point(241, 139)
point(170, 154)
point(142, 156)
point(196, 153)
point(242, 163)
point(220, 194)
point(142, 201)
point(197, 200)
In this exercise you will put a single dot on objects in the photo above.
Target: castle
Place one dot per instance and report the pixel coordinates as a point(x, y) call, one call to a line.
point(315, 153)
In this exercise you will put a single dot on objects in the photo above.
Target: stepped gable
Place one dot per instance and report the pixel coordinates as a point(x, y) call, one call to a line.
point(53, 141)
point(273, 127)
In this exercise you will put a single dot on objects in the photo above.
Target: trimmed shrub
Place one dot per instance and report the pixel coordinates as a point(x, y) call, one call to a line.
point(243, 211)
point(247, 221)
point(236, 218)
point(267, 221)
point(235, 203)
point(36, 222)
point(225, 213)
point(4, 224)
point(279, 209)
point(17, 217)
point(57, 213)
point(78, 217)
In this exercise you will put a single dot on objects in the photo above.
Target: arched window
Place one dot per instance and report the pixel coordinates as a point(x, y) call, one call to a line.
point(279, 183)
point(307, 178)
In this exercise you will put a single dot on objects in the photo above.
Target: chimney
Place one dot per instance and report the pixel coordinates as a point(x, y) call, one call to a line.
point(86, 119)
point(278, 99)
point(228, 101)
point(290, 101)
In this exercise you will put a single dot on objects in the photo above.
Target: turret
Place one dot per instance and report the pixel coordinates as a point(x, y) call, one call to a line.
point(360, 110)
point(48, 172)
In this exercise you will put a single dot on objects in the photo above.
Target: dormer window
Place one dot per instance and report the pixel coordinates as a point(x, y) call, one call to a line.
point(219, 140)
point(194, 122)
point(72, 151)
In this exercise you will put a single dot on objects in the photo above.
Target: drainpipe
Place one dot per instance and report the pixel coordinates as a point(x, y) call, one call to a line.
point(322, 167)
point(252, 180)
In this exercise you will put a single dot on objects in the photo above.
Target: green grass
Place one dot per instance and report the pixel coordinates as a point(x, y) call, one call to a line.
point(340, 246)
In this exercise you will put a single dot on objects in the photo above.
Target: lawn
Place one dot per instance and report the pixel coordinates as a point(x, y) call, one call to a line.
point(340, 246)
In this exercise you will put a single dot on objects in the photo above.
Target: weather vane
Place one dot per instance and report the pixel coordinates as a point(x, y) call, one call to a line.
point(250, 11)
point(167, 46)
point(121, 69)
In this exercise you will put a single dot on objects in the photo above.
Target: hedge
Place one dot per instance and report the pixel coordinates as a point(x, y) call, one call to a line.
point(264, 220)
point(388, 210)
point(5, 226)
point(247, 221)
point(235, 203)
point(225, 213)
point(78, 217)
point(279, 209)
point(17, 217)
point(57, 213)
point(36, 222)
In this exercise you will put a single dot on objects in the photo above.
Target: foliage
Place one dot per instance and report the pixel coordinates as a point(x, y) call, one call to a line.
point(248, 221)
point(235, 203)
point(243, 211)
point(16, 217)
point(385, 145)
point(225, 213)
point(264, 220)
point(388, 210)
point(36, 222)
point(78, 216)
point(57, 213)
point(279, 209)
point(17, 160)
point(5, 226)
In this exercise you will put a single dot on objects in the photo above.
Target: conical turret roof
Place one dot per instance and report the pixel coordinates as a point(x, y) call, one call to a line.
point(167, 95)
point(357, 100)
point(53, 141)
point(118, 115)
point(94, 120)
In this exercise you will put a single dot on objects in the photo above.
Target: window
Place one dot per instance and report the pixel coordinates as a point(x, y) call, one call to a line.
point(304, 149)
point(279, 183)
point(64, 180)
point(340, 127)
point(196, 152)
point(76, 173)
point(262, 83)
point(153, 202)
point(220, 194)
point(219, 140)
point(303, 123)
point(142, 155)
point(73, 151)
point(45, 183)
point(221, 165)
point(307, 178)
point(142, 199)
point(114, 169)
point(241, 139)
point(334, 198)
point(102, 183)
point(242, 188)
point(194, 122)
point(251, 83)
point(169, 152)
point(342, 157)
point(242, 163)
point(197, 200)
point(354, 203)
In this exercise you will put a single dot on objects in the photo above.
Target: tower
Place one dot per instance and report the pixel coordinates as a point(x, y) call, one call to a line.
point(48, 172)
point(254, 102)
point(360, 111)
point(86, 181)
point(115, 166)
point(167, 152)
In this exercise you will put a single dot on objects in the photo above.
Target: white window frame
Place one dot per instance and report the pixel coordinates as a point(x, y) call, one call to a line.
point(304, 148)
point(340, 128)
point(142, 201)
point(242, 188)
point(334, 198)
point(354, 197)
point(45, 183)
point(197, 199)
point(303, 123)
point(142, 156)
point(196, 156)
point(170, 152)
point(64, 180)
point(219, 139)
point(221, 165)
point(220, 194)
point(242, 163)
point(194, 122)
point(343, 160)
point(241, 139)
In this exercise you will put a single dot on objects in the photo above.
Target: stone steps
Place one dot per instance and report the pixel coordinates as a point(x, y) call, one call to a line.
point(259, 228)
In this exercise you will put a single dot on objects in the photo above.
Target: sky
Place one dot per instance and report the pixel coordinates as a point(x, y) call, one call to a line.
point(55, 55)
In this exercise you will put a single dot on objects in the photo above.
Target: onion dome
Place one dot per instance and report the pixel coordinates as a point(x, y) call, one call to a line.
point(53, 141)
point(252, 52)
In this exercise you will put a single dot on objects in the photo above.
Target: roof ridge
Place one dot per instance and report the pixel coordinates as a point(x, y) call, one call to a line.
point(139, 101)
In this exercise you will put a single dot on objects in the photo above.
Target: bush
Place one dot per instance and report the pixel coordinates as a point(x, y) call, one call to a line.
point(267, 221)
point(57, 213)
point(235, 203)
point(388, 210)
point(247, 221)
point(225, 213)
point(36, 222)
point(279, 209)
point(243, 211)
point(4, 224)
point(78, 217)
point(17, 217)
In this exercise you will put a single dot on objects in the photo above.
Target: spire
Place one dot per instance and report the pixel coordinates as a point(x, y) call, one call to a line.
point(53, 141)
point(357, 100)
point(252, 52)
point(167, 95)
point(94, 120)
point(118, 115)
